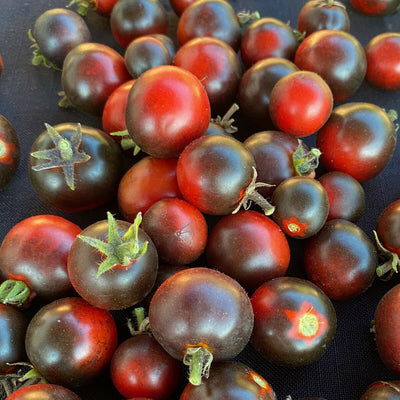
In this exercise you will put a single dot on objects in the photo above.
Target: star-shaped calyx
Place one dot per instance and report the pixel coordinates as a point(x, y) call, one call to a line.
point(118, 250)
point(64, 155)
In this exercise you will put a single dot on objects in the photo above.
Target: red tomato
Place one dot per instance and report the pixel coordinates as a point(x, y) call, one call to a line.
point(43, 391)
point(376, 8)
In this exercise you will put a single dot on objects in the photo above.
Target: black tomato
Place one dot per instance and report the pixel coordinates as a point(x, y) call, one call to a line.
point(113, 264)
point(199, 315)
point(341, 259)
point(43, 391)
point(55, 33)
point(249, 247)
point(75, 167)
point(71, 342)
point(376, 8)
point(337, 56)
point(294, 321)
point(359, 138)
point(382, 390)
point(230, 380)
point(301, 206)
point(10, 152)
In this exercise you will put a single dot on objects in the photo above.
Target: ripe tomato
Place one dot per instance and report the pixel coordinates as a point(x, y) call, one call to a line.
point(103, 7)
point(376, 8)
point(300, 103)
point(71, 342)
point(43, 391)
point(294, 321)
point(179, 6)
point(381, 390)
point(167, 108)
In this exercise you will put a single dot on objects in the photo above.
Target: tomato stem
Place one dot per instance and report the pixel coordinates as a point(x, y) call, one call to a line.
point(226, 121)
point(199, 360)
point(391, 263)
point(247, 17)
point(305, 163)
point(14, 292)
point(83, 6)
point(38, 57)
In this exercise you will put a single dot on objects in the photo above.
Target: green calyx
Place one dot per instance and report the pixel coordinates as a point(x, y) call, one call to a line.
point(199, 360)
point(14, 292)
point(64, 155)
point(118, 250)
point(83, 6)
point(38, 57)
point(127, 142)
point(305, 163)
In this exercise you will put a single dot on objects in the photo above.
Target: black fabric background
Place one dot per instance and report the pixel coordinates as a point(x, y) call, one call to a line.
point(28, 99)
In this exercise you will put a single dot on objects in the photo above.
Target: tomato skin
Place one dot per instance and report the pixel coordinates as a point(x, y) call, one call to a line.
point(43, 391)
point(141, 367)
point(347, 137)
point(71, 342)
point(167, 108)
point(147, 181)
point(51, 237)
point(249, 247)
point(382, 390)
point(341, 260)
point(376, 8)
point(282, 309)
point(104, 7)
point(387, 227)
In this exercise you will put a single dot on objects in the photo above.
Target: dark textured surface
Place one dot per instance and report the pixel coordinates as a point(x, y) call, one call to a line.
point(28, 99)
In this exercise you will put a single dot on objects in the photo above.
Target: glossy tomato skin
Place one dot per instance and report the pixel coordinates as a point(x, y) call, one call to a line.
point(179, 6)
point(382, 390)
point(300, 103)
point(195, 298)
point(147, 181)
point(51, 237)
point(230, 380)
point(10, 151)
point(376, 8)
point(387, 227)
point(141, 367)
point(167, 108)
point(294, 321)
point(43, 391)
point(341, 260)
point(91, 72)
point(383, 61)
point(13, 324)
point(71, 342)
point(337, 56)
point(249, 247)
point(301, 206)
point(347, 137)
point(96, 180)
point(120, 287)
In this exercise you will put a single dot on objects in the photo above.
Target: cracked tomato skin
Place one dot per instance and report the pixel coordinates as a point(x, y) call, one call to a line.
point(294, 321)
point(71, 342)
point(43, 391)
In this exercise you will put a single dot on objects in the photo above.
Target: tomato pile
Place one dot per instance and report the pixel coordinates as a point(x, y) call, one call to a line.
point(199, 200)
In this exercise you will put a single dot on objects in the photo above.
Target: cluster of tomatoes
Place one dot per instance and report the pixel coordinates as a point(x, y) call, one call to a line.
point(224, 148)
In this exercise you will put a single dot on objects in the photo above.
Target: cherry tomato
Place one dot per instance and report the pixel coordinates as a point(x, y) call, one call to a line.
point(249, 247)
point(75, 167)
point(341, 260)
point(10, 152)
point(389, 390)
point(199, 315)
point(337, 56)
point(50, 237)
point(346, 140)
point(71, 342)
point(233, 379)
point(383, 61)
point(43, 391)
point(102, 7)
point(167, 108)
point(376, 8)
point(294, 321)
point(179, 6)
point(300, 103)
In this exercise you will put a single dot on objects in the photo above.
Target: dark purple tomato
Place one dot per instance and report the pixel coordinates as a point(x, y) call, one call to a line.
point(50, 237)
point(301, 206)
point(351, 133)
point(249, 247)
point(91, 72)
point(168, 41)
point(141, 367)
point(294, 321)
point(75, 167)
point(230, 380)
point(55, 33)
point(279, 156)
point(199, 315)
point(223, 125)
point(10, 151)
point(178, 230)
point(71, 342)
point(113, 264)
point(337, 56)
point(214, 18)
point(255, 88)
point(43, 391)
point(267, 37)
point(130, 19)
point(13, 324)
point(382, 390)
point(179, 6)
point(345, 194)
point(146, 52)
point(376, 8)
point(341, 260)
point(216, 65)
point(316, 15)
